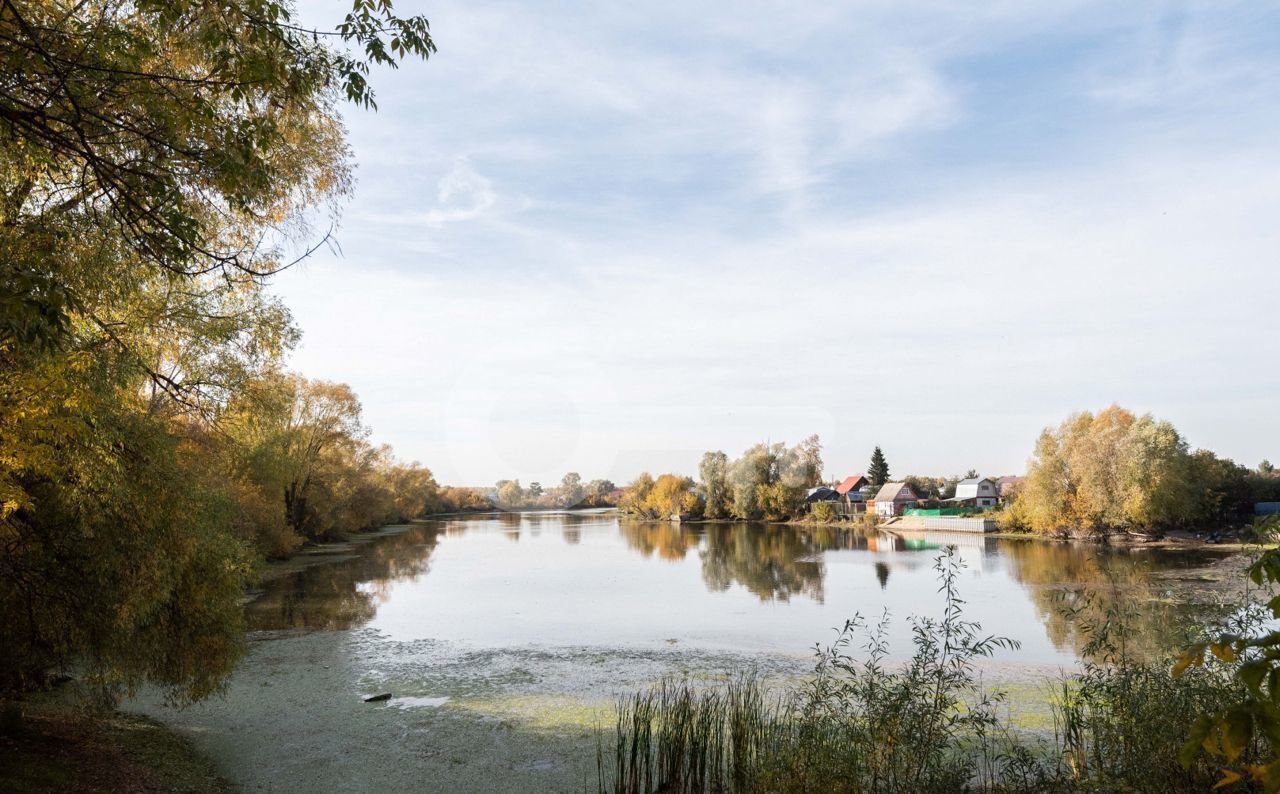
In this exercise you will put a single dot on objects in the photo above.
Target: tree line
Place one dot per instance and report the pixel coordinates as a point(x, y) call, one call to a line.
point(159, 161)
point(769, 481)
point(571, 492)
point(1109, 471)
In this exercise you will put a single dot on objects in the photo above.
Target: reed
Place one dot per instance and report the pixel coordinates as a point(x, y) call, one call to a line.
point(860, 724)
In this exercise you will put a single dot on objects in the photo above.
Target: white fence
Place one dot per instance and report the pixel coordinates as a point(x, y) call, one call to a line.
point(952, 524)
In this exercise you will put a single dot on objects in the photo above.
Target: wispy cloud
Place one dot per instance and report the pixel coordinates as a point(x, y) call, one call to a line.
point(608, 237)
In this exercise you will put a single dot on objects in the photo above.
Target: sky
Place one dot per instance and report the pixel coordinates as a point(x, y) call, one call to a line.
point(605, 237)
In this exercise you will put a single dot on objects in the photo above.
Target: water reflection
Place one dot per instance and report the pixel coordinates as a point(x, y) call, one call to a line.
point(335, 596)
point(770, 564)
point(774, 563)
point(1080, 590)
point(670, 541)
point(590, 579)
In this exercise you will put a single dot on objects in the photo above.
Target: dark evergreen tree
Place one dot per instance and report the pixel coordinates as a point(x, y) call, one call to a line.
point(879, 471)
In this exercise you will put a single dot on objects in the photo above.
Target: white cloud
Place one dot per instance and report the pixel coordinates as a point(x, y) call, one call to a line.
point(606, 238)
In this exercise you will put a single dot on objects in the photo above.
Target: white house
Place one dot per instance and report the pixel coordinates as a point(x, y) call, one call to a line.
point(976, 491)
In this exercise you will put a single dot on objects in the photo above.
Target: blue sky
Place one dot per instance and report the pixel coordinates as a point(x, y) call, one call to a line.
point(605, 237)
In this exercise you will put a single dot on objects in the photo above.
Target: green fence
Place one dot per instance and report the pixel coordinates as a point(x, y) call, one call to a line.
point(937, 511)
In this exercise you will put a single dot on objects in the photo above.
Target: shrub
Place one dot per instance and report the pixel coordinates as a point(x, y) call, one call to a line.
point(928, 726)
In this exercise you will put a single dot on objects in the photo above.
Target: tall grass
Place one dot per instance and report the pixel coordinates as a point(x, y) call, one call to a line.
point(861, 724)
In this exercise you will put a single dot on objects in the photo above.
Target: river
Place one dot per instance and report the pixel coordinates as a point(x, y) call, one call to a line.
point(505, 639)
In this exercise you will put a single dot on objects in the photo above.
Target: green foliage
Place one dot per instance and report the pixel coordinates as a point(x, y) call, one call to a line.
point(858, 725)
point(713, 474)
point(158, 160)
point(862, 724)
point(769, 480)
point(878, 471)
point(1122, 727)
point(570, 493)
point(824, 511)
point(116, 552)
point(1243, 736)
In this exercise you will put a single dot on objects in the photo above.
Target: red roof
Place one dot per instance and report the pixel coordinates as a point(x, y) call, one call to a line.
point(850, 483)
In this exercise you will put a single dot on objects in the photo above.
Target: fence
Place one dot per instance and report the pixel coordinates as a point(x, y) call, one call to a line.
point(961, 524)
point(926, 512)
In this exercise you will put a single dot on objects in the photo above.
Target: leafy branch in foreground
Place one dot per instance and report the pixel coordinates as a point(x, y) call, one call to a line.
point(1244, 736)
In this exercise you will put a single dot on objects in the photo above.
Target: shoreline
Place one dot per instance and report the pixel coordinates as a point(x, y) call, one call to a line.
point(59, 747)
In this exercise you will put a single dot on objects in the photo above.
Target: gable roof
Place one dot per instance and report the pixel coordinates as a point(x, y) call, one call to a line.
point(974, 481)
point(820, 494)
point(889, 492)
point(856, 481)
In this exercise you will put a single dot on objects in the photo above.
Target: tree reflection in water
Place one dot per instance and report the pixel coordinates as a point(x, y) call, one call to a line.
point(772, 562)
point(670, 540)
point(1081, 591)
point(338, 596)
point(1075, 589)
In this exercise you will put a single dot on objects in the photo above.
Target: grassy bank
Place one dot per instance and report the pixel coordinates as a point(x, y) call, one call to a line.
point(58, 748)
point(861, 724)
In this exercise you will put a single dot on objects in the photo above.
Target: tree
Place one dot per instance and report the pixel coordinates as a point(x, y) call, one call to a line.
point(635, 496)
point(1110, 471)
point(878, 471)
point(1266, 467)
point(713, 473)
point(599, 488)
point(175, 129)
point(158, 161)
point(571, 491)
point(510, 495)
point(671, 497)
point(758, 466)
point(803, 468)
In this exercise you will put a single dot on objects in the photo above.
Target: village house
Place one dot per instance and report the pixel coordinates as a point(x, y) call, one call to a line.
point(854, 493)
point(977, 492)
point(821, 494)
point(1005, 486)
point(895, 497)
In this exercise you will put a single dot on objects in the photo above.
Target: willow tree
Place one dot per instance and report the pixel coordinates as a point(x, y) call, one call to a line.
point(159, 159)
point(1110, 470)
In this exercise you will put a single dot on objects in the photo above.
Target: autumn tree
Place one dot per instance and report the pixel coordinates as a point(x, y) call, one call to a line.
point(672, 497)
point(1115, 470)
point(635, 495)
point(158, 161)
point(510, 495)
point(713, 473)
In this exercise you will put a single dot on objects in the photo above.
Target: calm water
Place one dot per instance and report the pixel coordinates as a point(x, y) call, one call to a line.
point(504, 640)
point(573, 580)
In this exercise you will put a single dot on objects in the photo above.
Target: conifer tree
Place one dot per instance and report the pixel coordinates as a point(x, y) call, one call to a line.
point(879, 470)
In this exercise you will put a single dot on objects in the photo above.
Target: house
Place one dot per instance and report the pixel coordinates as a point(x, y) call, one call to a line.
point(894, 497)
point(855, 492)
point(856, 488)
point(976, 492)
point(821, 494)
point(1005, 486)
